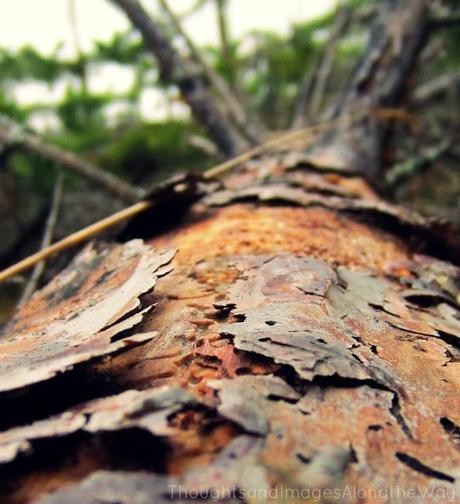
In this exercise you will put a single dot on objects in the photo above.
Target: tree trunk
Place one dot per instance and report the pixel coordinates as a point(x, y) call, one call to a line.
point(285, 336)
point(380, 79)
point(291, 344)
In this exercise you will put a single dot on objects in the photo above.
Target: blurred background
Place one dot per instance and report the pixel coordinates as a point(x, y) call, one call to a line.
point(76, 75)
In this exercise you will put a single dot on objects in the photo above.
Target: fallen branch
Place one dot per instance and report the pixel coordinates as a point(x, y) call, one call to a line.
point(47, 238)
point(13, 134)
point(176, 71)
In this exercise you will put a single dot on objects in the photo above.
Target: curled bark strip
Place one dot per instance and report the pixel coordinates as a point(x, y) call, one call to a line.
point(284, 185)
point(68, 322)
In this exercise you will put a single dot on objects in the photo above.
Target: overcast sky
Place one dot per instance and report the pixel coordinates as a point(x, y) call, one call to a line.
point(45, 23)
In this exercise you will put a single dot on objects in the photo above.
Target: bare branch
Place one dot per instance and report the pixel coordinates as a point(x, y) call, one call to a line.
point(13, 134)
point(410, 167)
point(340, 27)
point(221, 8)
point(435, 87)
point(312, 91)
point(205, 145)
point(176, 71)
point(304, 94)
point(47, 238)
point(230, 103)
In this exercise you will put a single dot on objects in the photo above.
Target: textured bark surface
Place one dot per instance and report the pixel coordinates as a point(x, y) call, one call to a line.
point(381, 79)
point(299, 338)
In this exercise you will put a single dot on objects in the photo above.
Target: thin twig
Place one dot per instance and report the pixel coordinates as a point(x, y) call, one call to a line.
point(435, 87)
point(204, 144)
point(401, 172)
point(47, 238)
point(304, 133)
point(75, 239)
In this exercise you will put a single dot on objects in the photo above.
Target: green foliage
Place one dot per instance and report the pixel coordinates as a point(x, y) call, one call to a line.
point(274, 71)
point(28, 64)
point(34, 175)
point(450, 60)
point(79, 108)
point(123, 47)
point(10, 108)
point(158, 149)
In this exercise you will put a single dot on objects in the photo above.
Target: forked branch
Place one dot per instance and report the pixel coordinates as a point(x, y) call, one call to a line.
point(176, 71)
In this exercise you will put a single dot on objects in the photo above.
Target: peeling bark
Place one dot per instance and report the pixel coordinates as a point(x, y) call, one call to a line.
point(293, 342)
point(305, 337)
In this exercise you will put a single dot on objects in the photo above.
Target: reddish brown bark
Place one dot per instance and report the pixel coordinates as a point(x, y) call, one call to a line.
point(292, 342)
point(285, 335)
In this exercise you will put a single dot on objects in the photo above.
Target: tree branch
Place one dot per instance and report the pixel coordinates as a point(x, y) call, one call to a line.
point(304, 95)
point(47, 238)
point(340, 27)
point(176, 71)
point(401, 172)
point(13, 134)
point(205, 145)
point(435, 87)
point(312, 91)
point(230, 103)
point(227, 56)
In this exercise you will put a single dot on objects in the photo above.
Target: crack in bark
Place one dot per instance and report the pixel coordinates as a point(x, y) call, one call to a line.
point(452, 430)
point(418, 466)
